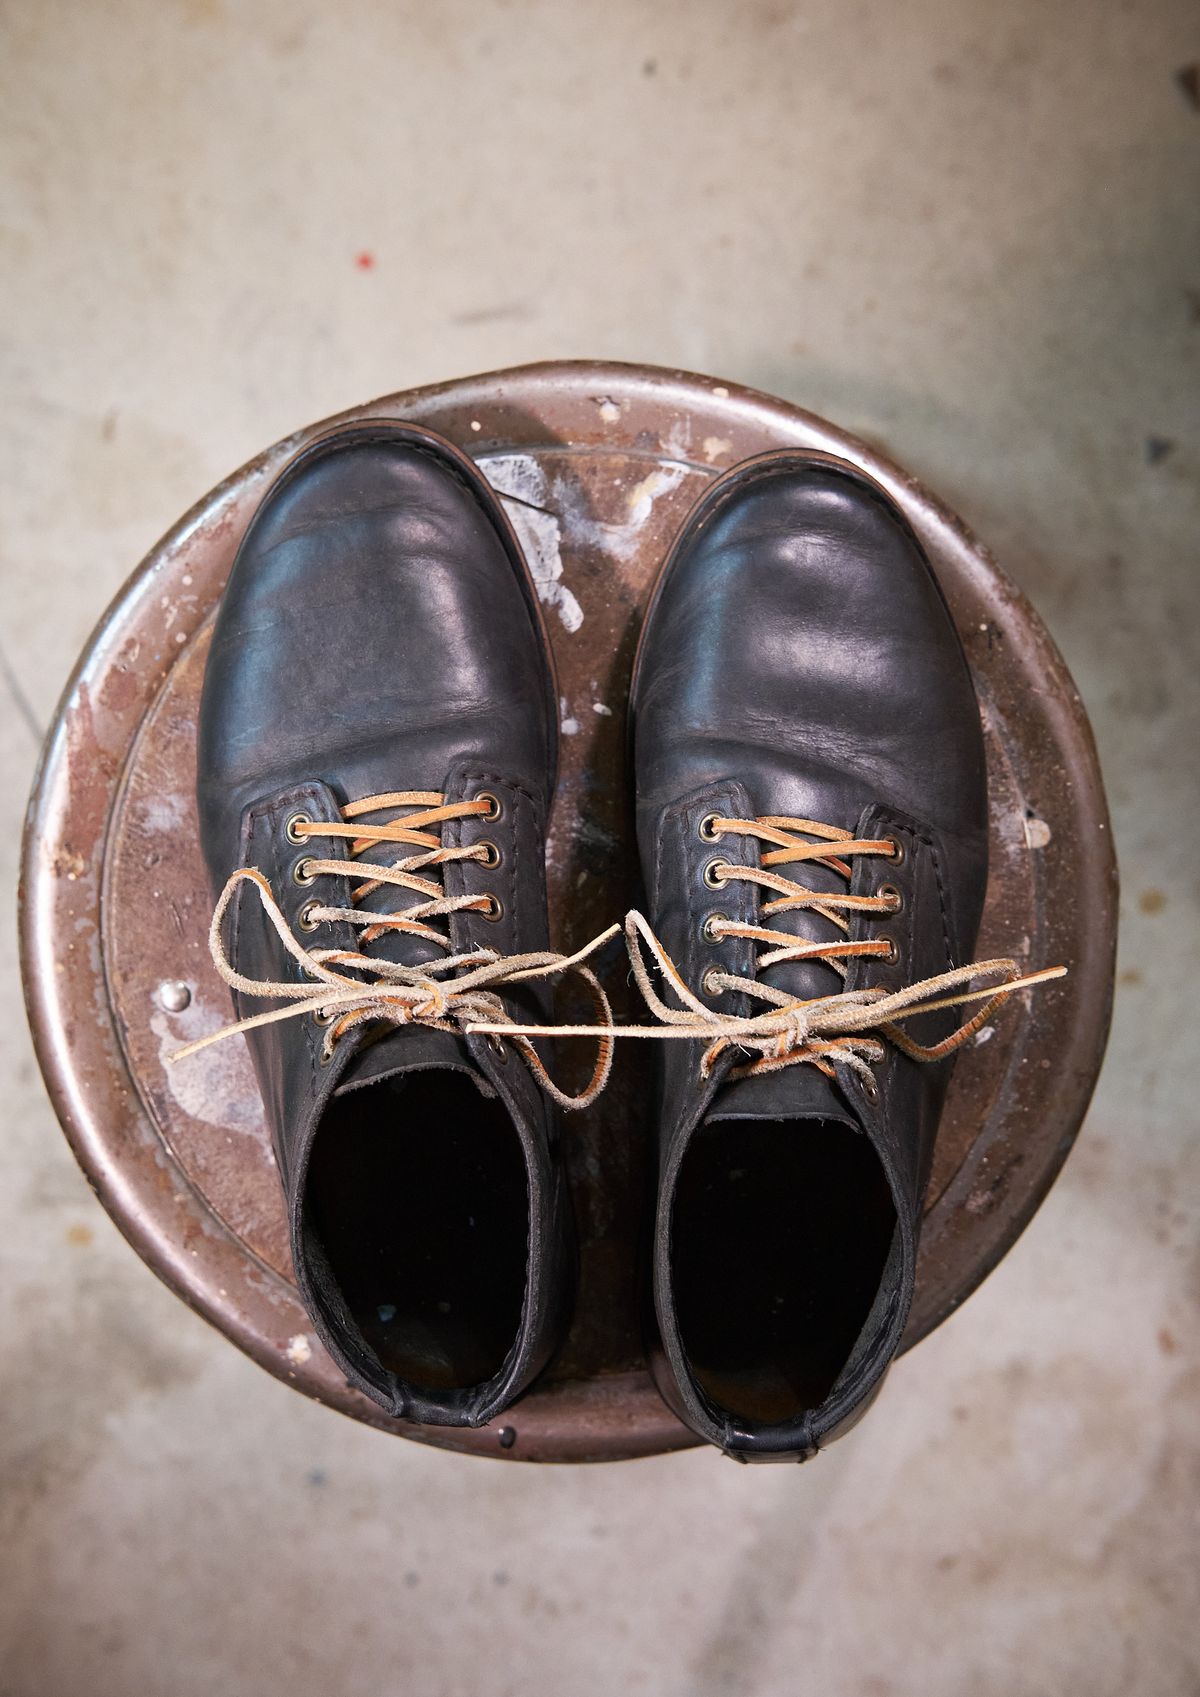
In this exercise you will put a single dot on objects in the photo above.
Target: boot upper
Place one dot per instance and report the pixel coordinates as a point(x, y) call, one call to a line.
point(379, 634)
point(799, 662)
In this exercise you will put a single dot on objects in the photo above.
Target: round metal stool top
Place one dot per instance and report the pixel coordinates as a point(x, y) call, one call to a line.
point(597, 464)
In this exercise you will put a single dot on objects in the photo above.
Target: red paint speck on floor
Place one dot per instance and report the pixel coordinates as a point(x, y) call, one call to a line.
point(365, 261)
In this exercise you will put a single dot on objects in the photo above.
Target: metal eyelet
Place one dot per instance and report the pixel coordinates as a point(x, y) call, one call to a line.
point(495, 806)
point(710, 873)
point(893, 954)
point(708, 929)
point(500, 1049)
point(897, 851)
point(491, 854)
point(301, 875)
point(305, 920)
point(869, 1089)
point(494, 909)
point(290, 830)
point(892, 895)
point(706, 829)
point(323, 1016)
point(709, 985)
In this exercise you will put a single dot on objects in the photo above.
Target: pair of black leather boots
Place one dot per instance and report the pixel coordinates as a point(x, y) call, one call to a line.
point(376, 764)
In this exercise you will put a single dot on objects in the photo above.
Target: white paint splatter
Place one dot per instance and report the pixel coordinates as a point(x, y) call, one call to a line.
point(721, 392)
point(519, 477)
point(984, 1034)
point(216, 1086)
point(641, 498)
point(164, 813)
point(604, 711)
point(620, 540)
point(610, 412)
point(299, 1350)
point(677, 443)
point(570, 725)
point(716, 447)
point(1037, 833)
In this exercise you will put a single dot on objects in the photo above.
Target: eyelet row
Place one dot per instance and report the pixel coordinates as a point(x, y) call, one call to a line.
point(491, 858)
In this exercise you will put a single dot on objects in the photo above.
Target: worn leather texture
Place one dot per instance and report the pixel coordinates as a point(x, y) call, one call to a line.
point(379, 632)
point(798, 659)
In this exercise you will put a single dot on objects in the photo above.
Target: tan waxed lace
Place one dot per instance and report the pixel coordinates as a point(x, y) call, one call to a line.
point(846, 1026)
point(458, 993)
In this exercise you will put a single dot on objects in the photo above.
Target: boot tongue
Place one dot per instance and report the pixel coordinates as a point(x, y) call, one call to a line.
point(398, 946)
point(806, 979)
point(410, 1048)
point(793, 1093)
point(796, 1092)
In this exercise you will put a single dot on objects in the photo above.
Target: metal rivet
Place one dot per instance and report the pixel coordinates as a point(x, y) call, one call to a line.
point(292, 829)
point(714, 873)
point(174, 995)
point(507, 1436)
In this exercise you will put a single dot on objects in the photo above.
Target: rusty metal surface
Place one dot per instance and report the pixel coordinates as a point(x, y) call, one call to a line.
point(597, 464)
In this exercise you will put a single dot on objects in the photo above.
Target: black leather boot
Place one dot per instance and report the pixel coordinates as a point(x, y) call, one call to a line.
point(812, 823)
point(377, 754)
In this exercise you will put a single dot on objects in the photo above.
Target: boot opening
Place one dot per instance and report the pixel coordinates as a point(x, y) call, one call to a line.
point(417, 1207)
point(781, 1233)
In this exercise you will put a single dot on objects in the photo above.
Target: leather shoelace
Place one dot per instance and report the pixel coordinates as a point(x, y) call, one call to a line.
point(847, 1026)
point(458, 993)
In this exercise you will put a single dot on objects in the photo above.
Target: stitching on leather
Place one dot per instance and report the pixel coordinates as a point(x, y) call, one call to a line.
point(917, 834)
point(678, 817)
point(480, 776)
point(326, 447)
point(522, 1342)
point(849, 472)
point(951, 950)
point(658, 854)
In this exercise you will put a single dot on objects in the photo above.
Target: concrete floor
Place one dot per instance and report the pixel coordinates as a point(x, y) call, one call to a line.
point(965, 230)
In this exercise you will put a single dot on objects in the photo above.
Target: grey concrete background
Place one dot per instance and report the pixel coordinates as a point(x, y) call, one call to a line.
point(966, 230)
